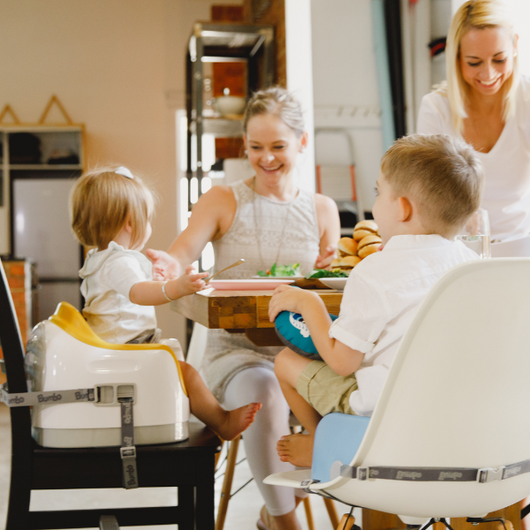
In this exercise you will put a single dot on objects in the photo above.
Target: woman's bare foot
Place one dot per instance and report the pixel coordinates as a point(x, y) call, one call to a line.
point(237, 421)
point(297, 449)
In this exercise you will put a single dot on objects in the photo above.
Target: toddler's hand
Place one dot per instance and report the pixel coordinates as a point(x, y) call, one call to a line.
point(324, 261)
point(190, 283)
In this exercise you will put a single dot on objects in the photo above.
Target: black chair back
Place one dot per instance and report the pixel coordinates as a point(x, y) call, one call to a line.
point(13, 352)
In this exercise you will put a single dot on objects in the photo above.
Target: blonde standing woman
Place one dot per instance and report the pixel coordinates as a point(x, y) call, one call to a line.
point(264, 219)
point(486, 102)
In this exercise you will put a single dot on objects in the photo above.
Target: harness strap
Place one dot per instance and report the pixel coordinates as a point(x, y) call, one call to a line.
point(55, 397)
point(127, 449)
point(436, 474)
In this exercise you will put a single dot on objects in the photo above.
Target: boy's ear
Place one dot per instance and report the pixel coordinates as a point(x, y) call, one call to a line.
point(405, 209)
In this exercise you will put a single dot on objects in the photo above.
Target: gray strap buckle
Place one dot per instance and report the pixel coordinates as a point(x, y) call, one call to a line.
point(306, 483)
point(360, 473)
point(490, 474)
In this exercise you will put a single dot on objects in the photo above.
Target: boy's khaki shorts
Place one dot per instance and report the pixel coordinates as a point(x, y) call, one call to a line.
point(324, 390)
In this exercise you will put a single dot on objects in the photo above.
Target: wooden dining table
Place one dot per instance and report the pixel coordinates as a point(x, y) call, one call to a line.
point(242, 311)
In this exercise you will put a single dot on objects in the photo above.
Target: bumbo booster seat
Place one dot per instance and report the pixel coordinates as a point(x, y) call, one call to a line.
point(113, 380)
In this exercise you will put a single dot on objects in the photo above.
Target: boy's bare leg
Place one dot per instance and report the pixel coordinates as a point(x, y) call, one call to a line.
point(297, 448)
point(228, 424)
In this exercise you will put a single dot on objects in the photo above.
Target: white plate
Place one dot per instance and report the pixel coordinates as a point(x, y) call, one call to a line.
point(263, 284)
point(334, 283)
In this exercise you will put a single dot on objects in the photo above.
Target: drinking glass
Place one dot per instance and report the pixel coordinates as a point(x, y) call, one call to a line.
point(476, 234)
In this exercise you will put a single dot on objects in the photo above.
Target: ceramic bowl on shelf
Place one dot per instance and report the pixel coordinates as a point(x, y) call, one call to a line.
point(230, 105)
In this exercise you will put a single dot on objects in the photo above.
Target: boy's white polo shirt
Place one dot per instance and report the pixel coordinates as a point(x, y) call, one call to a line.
point(380, 300)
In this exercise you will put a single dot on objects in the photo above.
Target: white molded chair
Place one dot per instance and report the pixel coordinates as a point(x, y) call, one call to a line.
point(456, 398)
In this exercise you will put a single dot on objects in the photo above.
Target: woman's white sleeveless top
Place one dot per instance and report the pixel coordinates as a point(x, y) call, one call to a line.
point(283, 232)
point(264, 231)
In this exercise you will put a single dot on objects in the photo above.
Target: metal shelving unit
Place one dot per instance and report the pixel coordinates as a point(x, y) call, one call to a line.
point(220, 42)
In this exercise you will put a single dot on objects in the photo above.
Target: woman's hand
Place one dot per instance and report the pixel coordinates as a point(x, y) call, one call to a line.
point(165, 267)
point(324, 260)
point(286, 298)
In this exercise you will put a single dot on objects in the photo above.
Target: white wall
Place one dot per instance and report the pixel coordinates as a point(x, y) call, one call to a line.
point(118, 67)
point(345, 88)
point(300, 79)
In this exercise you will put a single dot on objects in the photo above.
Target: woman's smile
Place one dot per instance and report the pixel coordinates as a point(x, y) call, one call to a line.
point(272, 148)
point(486, 58)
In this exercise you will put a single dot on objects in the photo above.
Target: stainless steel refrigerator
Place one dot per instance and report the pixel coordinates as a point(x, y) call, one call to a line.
point(40, 230)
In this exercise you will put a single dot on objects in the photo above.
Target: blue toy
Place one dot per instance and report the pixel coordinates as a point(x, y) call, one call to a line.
point(294, 333)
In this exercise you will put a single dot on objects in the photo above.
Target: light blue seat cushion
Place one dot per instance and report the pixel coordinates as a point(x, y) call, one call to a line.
point(294, 333)
point(337, 438)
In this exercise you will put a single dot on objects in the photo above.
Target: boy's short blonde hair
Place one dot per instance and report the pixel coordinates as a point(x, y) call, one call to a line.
point(440, 174)
point(102, 201)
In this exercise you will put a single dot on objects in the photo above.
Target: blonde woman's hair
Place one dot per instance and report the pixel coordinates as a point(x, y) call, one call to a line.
point(476, 14)
point(101, 203)
point(441, 174)
point(278, 102)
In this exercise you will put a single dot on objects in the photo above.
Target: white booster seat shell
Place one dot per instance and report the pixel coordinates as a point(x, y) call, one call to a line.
point(64, 353)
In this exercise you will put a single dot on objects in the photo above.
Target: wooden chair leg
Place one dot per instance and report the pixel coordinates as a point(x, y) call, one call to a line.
point(332, 512)
point(346, 523)
point(227, 483)
point(309, 513)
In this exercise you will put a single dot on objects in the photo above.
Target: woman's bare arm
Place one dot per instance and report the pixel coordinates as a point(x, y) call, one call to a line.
point(329, 227)
point(210, 219)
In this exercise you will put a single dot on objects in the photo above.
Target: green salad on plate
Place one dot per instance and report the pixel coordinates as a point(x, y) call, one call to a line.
point(325, 273)
point(280, 271)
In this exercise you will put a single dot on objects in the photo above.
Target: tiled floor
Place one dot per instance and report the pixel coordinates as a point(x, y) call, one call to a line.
point(242, 514)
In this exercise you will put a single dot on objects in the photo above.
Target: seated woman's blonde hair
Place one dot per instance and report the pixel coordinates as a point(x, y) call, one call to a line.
point(103, 201)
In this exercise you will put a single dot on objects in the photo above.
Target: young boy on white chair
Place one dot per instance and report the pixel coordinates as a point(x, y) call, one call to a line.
point(427, 189)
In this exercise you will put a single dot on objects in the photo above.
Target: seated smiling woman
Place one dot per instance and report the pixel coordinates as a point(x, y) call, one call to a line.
point(265, 219)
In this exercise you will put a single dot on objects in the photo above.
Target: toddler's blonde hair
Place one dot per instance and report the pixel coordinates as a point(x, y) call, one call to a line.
point(102, 201)
point(441, 174)
point(476, 14)
point(278, 102)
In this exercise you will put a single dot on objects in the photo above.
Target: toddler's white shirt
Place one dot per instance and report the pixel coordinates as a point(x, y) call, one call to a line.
point(108, 276)
point(380, 300)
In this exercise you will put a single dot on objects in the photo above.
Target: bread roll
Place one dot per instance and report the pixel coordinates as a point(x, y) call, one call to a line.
point(349, 262)
point(335, 264)
point(363, 229)
point(347, 246)
point(369, 245)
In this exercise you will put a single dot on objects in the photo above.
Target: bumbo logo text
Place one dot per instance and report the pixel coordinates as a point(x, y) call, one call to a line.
point(44, 399)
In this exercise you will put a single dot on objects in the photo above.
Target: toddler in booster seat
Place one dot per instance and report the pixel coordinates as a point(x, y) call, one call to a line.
point(117, 351)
